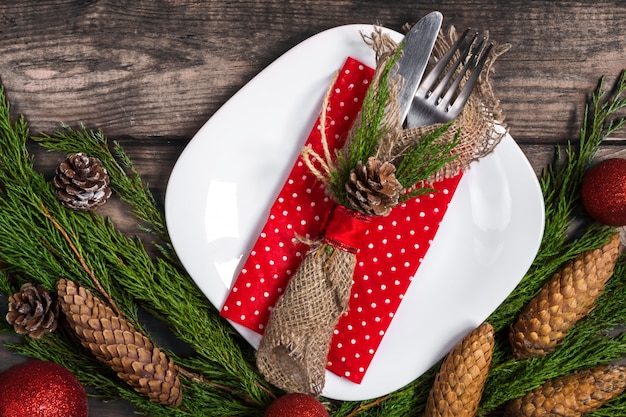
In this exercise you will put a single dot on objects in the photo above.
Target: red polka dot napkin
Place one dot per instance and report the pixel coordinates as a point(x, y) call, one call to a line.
point(388, 258)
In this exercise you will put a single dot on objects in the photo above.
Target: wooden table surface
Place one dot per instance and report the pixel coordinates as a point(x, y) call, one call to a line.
point(151, 73)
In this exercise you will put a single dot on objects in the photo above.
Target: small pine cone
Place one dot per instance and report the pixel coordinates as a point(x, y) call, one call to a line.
point(572, 395)
point(32, 311)
point(115, 342)
point(81, 182)
point(373, 189)
point(459, 383)
point(567, 297)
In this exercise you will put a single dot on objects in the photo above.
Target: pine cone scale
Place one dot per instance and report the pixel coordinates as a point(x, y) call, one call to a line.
point(372, 188)
point(459, 383)
point(566, 298)
point(32, 311)
point(115, 342)
point(81, 182)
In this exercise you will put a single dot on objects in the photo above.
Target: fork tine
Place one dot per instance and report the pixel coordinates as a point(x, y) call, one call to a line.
point(470, 62)
point(443, 84)
point(428, 106)
point(471, 82)
point(429, 80)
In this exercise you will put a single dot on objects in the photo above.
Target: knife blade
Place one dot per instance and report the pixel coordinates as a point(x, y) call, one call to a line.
point(417, 47)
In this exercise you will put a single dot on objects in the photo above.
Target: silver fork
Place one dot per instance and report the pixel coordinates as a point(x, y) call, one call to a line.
point(440, 96)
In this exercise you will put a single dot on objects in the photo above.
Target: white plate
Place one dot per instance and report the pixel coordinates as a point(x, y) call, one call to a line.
point(226, 179)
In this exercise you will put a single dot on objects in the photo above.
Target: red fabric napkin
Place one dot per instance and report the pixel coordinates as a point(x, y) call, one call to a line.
point(387, 259)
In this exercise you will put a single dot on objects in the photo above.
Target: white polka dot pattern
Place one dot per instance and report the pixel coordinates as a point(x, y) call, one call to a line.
point(299, 211)
point(388, 258)
point(392, 251)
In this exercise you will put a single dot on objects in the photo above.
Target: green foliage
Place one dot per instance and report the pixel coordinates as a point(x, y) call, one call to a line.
point(424, 159)
point(367, 137)
point(418, 162)
point(124, 177)
point(42, 241)
point(587, 344)
point(560, 184)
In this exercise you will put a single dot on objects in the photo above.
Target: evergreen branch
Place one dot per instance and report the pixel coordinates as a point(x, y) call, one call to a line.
point(125, 179)
point(366, 406)
point(58, 348)
point(371, 129)
point(368, 134)
point(5, 287)
point(82, 262)
point(161, 287)
point(542, 268)
point(414, 164)
point(15, 161)
point(424, 159)
point(560, 185)
point(40, 250)
point(586, 344)
point(590, 343)
point(407, 401)
point(34, 247)
point(199, 401)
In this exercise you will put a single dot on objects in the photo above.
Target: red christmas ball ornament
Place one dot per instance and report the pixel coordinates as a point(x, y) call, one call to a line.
point(604, 192)
point(296, 405)
point(41, 389)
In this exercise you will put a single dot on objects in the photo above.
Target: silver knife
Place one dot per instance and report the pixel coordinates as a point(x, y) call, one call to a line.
point(418, 45)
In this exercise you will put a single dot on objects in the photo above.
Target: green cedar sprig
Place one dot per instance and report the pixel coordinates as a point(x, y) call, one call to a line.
point(587, 344)
point(427, 157)
point(417, 163)
point(367, 137)
point(124, 177)
point(42, 242)
point(560, 184)
point(591, 342)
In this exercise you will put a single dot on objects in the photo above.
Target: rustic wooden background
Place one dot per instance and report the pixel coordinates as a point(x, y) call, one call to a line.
point(150, 73)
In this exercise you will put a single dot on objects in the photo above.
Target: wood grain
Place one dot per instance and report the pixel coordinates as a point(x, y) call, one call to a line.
point(161, 69)
point(150, 73)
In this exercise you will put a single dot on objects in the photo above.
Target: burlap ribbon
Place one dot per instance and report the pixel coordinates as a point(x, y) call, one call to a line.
point(481, 123)
point(292, 354)
point(293, 351)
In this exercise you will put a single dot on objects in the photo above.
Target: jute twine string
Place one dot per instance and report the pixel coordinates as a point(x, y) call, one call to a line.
point(390, 126)
point(311, 157)
point(293, 351)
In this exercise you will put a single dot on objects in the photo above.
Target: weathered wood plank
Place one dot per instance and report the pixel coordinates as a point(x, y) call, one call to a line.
point(163, 68)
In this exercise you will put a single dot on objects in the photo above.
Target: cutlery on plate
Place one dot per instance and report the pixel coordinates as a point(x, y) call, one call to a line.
point(440, 97)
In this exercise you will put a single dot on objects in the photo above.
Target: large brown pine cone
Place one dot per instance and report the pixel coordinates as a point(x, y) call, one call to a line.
point(459, 383)
point(115, 342)
point(567, 297)
point(82, 183)
point(32, 311)
point(572, 395)
point(373, 189)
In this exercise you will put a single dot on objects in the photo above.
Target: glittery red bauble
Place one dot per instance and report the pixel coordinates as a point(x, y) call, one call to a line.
point(41, 389)
point(604, 192)
point(296, 405)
